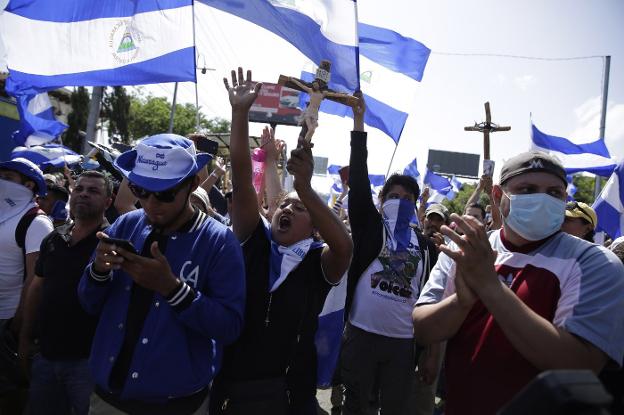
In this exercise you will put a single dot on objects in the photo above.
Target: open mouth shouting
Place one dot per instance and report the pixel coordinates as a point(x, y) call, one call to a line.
point(284, 222)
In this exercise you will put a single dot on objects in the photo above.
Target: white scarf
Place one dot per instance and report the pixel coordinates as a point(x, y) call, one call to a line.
point(284, 259)
point(14, 200)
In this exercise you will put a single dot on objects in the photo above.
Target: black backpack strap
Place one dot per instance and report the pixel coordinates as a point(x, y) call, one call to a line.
point(22, 228)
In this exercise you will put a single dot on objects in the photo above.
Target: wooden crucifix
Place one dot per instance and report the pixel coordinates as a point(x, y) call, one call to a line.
point(486, 128)
point(318, 91)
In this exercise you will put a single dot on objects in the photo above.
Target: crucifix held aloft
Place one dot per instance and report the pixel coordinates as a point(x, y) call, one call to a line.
point(486, 128)
point(318, 91)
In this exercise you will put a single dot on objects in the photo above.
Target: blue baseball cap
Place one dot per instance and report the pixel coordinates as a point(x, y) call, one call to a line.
point(28, 169)
point(161, 162)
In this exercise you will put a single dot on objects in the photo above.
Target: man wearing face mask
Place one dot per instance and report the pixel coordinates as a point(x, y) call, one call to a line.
point(528, 298)
point(22, 227)
point(390, 263)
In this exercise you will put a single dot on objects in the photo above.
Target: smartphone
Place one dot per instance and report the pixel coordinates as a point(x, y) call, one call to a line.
point(122, 243)
point(206, 145)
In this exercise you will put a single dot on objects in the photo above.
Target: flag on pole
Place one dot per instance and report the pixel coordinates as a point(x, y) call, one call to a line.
point(456, 186)
point(592, 157)
point(571, 188)
point(609, 206)
point(320, 30)
point(38, 125)
point(412, 170)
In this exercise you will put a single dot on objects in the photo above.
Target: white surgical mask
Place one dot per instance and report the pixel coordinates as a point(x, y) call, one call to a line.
point(535, 216)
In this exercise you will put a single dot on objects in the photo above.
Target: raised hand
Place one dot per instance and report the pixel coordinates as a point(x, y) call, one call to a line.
point(272, 146)
point(243, 91)
point(359, 109)
point(301, 165)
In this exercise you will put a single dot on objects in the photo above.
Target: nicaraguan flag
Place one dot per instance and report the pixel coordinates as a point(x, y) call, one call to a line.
point(439, 187)
point(376, 181)
point(592, 157)
point(48, 155)
point(38, 125)
point(329, 333)
point(456, 186)
point(320, 29)
point(609, 206)
point(52, 43)
point(412, 170)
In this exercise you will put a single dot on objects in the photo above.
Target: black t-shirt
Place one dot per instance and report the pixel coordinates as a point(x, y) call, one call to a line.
point(265, 350)
point(65, 330)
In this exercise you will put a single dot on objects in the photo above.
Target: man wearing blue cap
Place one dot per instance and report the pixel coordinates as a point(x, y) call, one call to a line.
point(167, 310)
point(22, 228)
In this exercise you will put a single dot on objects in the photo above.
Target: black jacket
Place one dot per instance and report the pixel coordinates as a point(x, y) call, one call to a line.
point(367, 228)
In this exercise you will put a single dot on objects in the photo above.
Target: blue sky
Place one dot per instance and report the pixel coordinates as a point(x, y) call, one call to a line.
point(563, 96)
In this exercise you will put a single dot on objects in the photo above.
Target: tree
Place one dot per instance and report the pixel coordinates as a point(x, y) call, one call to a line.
point(149, 115)
point(77, 119)
point(116, 108)
point(584, 188)
point(458, 204)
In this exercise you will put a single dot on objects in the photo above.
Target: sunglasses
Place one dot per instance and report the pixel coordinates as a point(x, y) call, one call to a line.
point(575, 205)
point(165, 196)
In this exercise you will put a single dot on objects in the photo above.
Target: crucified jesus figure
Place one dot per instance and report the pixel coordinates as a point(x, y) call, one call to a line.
point(309, 118)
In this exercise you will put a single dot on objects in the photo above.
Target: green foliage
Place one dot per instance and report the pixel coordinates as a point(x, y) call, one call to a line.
point(585, 188)
point(149, 115)
point(458, 204)
point(116, 108)
point(77, 119)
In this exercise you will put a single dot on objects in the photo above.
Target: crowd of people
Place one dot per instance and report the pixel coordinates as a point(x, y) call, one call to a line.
point(161, 295)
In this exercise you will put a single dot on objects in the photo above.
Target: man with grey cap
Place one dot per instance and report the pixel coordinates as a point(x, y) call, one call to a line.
point(523, 299)
point(168, 303)
point(436, 215)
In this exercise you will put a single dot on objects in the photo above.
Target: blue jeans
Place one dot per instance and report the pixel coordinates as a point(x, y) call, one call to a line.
point(60, 387)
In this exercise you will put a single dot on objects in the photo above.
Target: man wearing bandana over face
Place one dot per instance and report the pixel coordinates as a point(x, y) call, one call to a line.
point(391, 261)
point(523, 299)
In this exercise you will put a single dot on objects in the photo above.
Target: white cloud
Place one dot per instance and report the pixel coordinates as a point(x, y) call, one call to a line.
point(524, 82)
point(588, 125)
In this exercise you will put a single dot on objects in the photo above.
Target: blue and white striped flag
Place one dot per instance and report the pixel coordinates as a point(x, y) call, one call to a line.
point(439, 187)
point(609, 206)
point(376, 181)
point(592, 157)
point(52, 43)
point(571, 189)
point(320, 29)
point(48, 155)
point(38, 125)
point(412, 170)
point(380, 62)
point(329, 333)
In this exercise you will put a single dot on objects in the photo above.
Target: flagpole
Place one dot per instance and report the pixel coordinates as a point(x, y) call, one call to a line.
point(173, 106)
point(392, 159)
point(603, 114)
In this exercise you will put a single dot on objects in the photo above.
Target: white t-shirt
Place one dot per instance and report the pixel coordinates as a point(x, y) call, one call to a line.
point(12, 262)
point(386, 293)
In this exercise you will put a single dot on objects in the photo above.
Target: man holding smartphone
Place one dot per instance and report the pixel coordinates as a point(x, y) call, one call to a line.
point(165, 313)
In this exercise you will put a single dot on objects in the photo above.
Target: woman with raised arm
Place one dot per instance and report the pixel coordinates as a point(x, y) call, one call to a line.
point(271, 368)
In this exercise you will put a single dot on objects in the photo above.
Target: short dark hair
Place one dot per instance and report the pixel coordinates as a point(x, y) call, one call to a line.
point(407, 182)
point(108, 184)
point(476, 206)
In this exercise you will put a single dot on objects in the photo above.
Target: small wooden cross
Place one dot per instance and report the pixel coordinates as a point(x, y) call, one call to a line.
point(486, 128)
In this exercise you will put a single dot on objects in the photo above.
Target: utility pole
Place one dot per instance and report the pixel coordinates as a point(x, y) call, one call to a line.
point(603, 115)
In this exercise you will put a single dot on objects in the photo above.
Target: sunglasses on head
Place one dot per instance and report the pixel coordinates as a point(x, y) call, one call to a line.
point(575, 205)
point(166, 196)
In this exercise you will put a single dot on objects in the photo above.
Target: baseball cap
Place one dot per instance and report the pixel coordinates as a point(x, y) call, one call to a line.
point(161, 162)
point(28, 169)
point(581, 210)
point(438, 209)
point(532, 161)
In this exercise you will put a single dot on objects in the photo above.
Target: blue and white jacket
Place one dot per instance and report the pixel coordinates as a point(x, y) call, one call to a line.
point(180, 346)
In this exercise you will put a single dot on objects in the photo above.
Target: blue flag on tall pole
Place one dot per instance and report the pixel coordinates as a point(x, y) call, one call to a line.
point(439, 187)
point(379, 61)
point(412, 170)
point(592, 157)
point(609, 205)
point(51, 44)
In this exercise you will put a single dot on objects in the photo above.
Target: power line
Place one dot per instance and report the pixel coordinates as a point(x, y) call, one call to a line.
point(534, 58)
